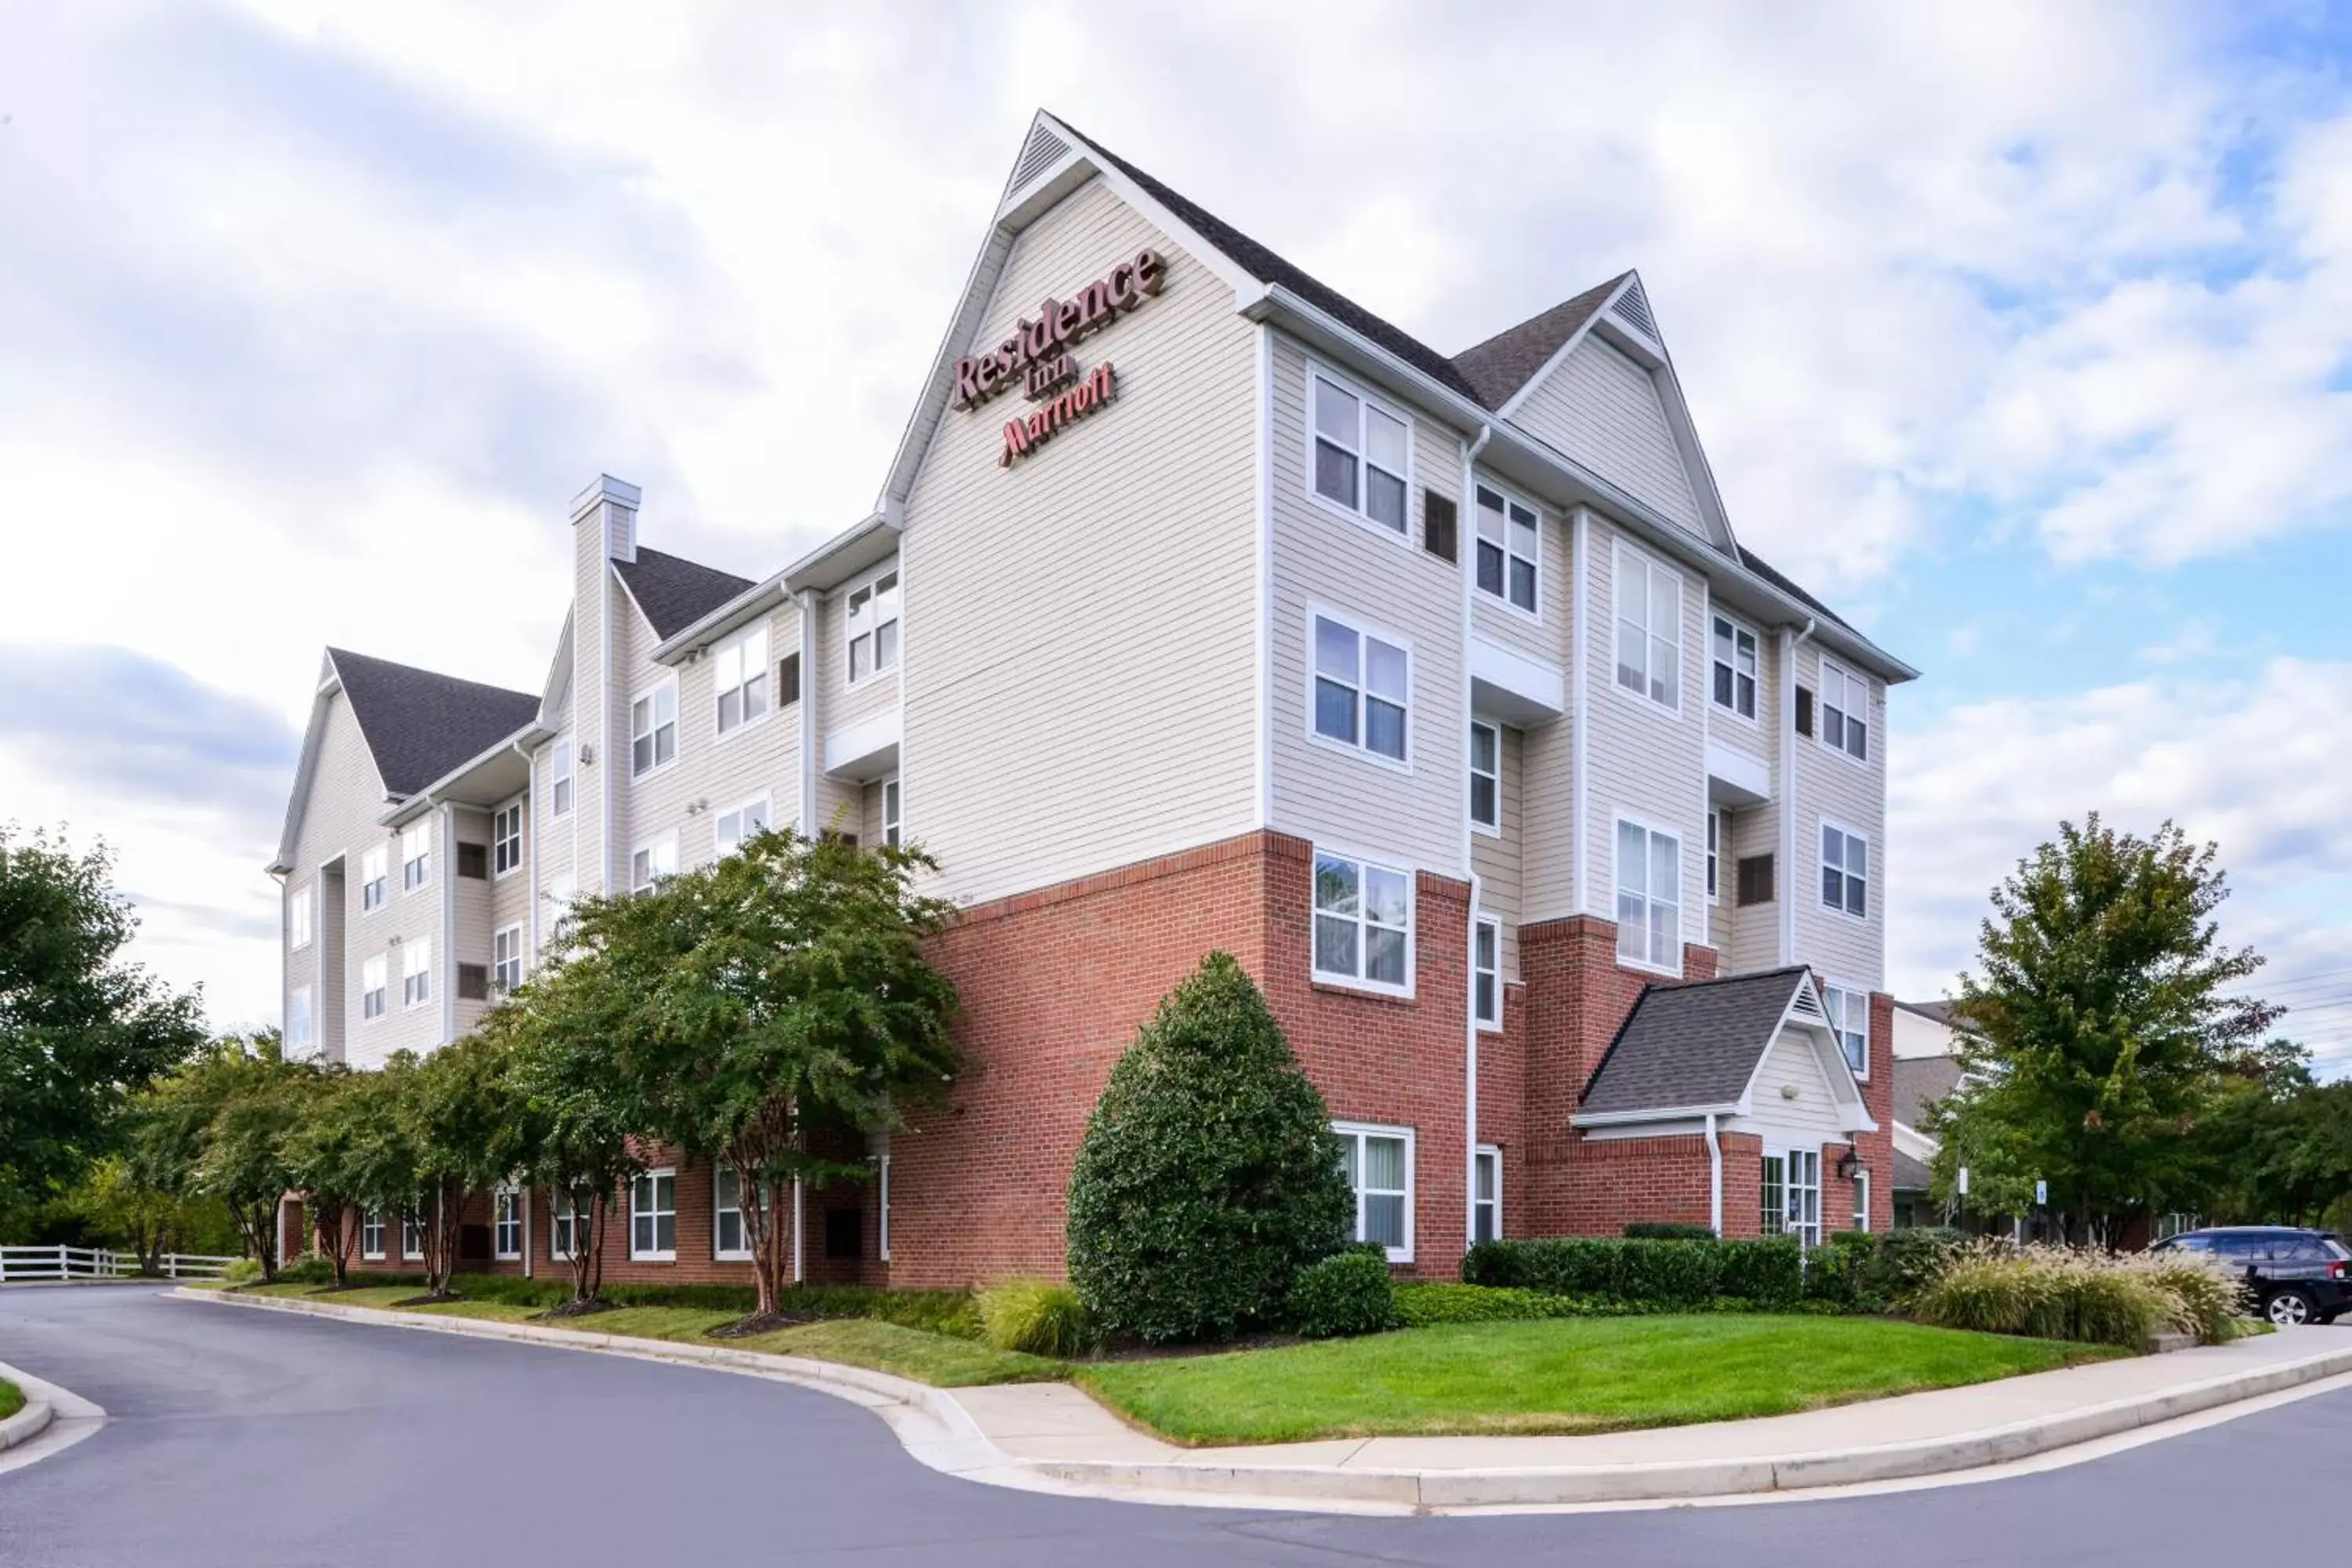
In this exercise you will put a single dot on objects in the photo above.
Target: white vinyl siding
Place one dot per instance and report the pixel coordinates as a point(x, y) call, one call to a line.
point(1842, 721)
point(1602, 409)
point(1496, 857)
point(560, 780)
point(1833, 788)
point(1377, 1164)
point(1363, 923)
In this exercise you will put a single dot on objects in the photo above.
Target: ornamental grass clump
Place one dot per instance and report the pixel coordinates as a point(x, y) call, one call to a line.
point(1039, 1317)
point(2059, 1293)
point(2208, 1297)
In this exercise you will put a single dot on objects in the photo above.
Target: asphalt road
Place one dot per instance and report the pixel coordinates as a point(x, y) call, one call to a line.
point(256, 1439)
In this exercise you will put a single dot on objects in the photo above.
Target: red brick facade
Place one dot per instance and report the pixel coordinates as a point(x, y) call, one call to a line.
point(1056, 982)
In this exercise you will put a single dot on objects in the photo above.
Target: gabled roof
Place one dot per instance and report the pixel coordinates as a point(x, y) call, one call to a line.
point(1764, 569)
point(419, 725)
point(1912, 1176)
point(1510, 359)
point(675, 593)
point(1919, 1083)
point(1695, 1045)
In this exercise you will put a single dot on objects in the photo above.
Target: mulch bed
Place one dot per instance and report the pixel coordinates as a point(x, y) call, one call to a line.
point(428, 1300)
point(574, 1310)
point(761, 1323)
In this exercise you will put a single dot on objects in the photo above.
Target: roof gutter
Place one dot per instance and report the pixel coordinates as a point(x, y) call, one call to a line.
point(1654, 1113)
point(1666, 536)
point(878, 532)
point(407, 806)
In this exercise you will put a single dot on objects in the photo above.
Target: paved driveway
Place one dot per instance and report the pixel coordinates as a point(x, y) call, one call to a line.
point(256, 1439)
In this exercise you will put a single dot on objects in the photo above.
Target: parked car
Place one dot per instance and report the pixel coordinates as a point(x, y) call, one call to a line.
point(2294, 1277)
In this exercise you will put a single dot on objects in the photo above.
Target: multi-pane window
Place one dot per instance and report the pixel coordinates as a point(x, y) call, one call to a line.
point(739, 674)
point(873, 626)
point(1849, 1014)
point(297, 920)
point(1360, 453)
point(559, 776)
point(505, 960)
point(649, 863)
point(372, 1234)
point(1486, 776)
point(653, 1215)
point(1718, 839)
point(652, 729)
point(728, 1237)
point(1507, 548)
point(1363, 922)
point(1649, 628)
point(505, 1223)
point(1845, 712)
point(1486, 973)
point(1377, 1164)
point(1735, 667)
point(1486, 1195)
point(506, 838)
point(297, 1019)
point(744, 822)
point(1862, 1200)
point(891, 812)
point(416, 854)
point(1800, 1189)
point(1362, 689)
point(1649, 896)
point(412, 1238)
point(1845, 872)
point(1773, 1190)
point(374, 977)
point(567, 1225)
point(417, 973)
point(374, 877)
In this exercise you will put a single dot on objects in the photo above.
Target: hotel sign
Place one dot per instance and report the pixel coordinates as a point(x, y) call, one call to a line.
point(1037, 358)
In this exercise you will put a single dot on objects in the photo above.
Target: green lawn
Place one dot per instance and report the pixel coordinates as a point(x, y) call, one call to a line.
point(12, 1399)
point(1589, 1374)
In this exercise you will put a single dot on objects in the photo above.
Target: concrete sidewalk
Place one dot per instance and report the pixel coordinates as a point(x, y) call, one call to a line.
point(1053, 1438)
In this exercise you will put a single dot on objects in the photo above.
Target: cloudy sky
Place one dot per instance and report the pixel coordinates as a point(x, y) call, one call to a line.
point(2024, 333)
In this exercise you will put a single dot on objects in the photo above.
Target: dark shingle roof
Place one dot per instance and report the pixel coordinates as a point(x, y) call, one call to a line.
point(1510, 359)
point(1911, 1175)
point(419, 725)
point(1939, 1011)
point(675, 593)
point(1919, 1083)
point(1694, 1044)
point(1765, 569)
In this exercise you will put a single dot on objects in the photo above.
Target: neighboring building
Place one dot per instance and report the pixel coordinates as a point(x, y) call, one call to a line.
point(1924, 1071)
point(1437, 690)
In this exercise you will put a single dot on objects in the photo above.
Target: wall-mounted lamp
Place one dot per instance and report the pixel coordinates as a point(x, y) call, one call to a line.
point(1850, 1164)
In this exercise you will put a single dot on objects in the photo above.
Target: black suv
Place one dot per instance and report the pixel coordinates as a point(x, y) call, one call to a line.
point(2296, 1276)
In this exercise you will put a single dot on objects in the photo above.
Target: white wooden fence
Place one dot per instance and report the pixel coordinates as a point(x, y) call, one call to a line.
point(20, 1264)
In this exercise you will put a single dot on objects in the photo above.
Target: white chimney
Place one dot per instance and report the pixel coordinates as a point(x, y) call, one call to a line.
point(612, 504)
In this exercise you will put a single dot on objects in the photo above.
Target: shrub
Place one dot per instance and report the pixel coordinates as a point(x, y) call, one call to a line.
point(1420, 1306)
point(308, 1271)
point(1678, 1274)
point(1769, 1271)
point(1904, 1260)
point(241, 1270)
point(1209, 1176)
point(2206, 1297)
point(2050, 1292)
point(1347, 1293)
point(1667, 1230)
point(1040, 1317)
point(1670, 1273)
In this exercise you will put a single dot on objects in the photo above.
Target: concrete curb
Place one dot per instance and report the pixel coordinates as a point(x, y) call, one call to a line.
point(28, 1423)
point(53, 1420)
point(939, 1432)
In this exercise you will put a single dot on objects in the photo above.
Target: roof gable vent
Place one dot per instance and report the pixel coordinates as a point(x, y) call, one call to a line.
point(1808, 1005)
point(1043, 151)
point(1632, 307)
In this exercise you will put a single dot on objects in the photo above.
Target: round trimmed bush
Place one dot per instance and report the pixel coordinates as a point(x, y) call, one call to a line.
point(1347, 1293)
point(1209, 1176)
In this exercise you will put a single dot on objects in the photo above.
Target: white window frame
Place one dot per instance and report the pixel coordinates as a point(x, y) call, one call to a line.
point(1862, 1201)
point(754, 683)
point(1797, 1164)
point(723, 1254)
point(375, 878)
point(1493, 829)
point(865, 598)
point(738, 813)
point(506, 960)
point(412, 1240)
point(1487, 967)
point(1846, 877)
point(650, 699)
point(560, 780)
point(660, 855)
point(1651, 833)
point(506, 839)
point(1360, 696)
point(375, 981)
point(1838, 1002)
point(1507, 546)
point(297, 920)
point(653, 1180)
point(1487, 1157)
point(564, 1221)
point(371, 1228)
point(1626, 561)
point(297, 1008)
point(1719, 842)
point(1835, 693)
point(1357, 1131)
point(416, 857)
point(1361, 453)
point(506, 1216)
point(1362, 921)
point(1716, 622)
point(415, 973)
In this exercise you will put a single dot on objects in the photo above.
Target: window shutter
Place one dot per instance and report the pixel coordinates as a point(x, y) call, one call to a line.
point(1755, 880)
point(474, 860)
point(473, 982)
point(1804, 711)
point(1439, 518)
point(788, 680)
point(845, 1233)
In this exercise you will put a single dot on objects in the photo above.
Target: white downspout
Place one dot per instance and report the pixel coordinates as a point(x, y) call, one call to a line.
point(531, 848)
point(1787, 889)
point(809, 716)
point(799, 1269)
point(1465, 526)
point(1714, 1178)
